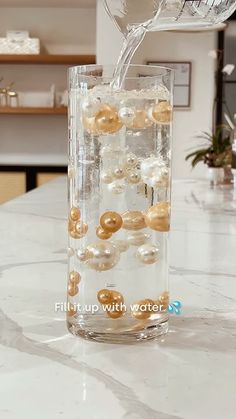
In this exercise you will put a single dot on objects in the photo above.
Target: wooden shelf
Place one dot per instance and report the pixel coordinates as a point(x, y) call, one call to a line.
point(47, 59)
point(32, 111)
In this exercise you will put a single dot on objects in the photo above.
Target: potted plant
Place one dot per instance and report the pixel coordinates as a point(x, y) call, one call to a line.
point(216, 152)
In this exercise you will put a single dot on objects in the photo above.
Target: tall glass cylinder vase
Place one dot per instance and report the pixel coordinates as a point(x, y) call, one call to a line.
point(119, 203)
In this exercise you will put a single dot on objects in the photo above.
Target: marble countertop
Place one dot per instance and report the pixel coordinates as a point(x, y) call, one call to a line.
point(47, 373)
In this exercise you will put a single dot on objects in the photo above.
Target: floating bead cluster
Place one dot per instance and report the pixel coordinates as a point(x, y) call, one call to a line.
point(73, 289)
point(77, 228)
point(112, 302)
point(102, 118)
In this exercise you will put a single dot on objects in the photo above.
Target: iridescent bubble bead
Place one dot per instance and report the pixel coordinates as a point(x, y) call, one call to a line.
point(157, 217)
point(133, 220)
point(162, 112)
point(137, 238)
point(127, 115)
point(103, 256)
point(107, 120)
point(111, 221)
point(148, 254)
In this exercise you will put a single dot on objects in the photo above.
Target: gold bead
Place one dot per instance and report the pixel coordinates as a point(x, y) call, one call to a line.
point(103, 256)
point(111, 221)
point(148, 253)
point(133, 220)
point(74, 277)
point(81, 229)
point(71, 311)
point(71, 225)
point(103, 234)
point(117, 298)
point(104, 296)
point(122, 245)
point(107, 120)
point(75, 214)
point(162, 112)
point(164, 300)
point(90, 125)
point(119, 173)
point(133, 177)
point(137, 238)
point(140, 121)
point(115, 314)
point(157, 217)
point(72, 289)
point(143, 309)
point(164, 296)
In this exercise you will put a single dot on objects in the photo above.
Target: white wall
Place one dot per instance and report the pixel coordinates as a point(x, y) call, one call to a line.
point(42, 139)
point(168, 46)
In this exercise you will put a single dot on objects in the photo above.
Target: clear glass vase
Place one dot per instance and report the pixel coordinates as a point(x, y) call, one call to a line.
point(119, 203)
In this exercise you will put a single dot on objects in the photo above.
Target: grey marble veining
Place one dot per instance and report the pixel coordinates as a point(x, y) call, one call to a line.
point(188, 374)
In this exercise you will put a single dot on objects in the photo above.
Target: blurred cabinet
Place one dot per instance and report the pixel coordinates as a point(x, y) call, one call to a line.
point(17, 180)
point(12, 184)
point(46, 177)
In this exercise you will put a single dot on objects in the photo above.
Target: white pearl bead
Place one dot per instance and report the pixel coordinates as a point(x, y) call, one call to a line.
point(137, 238)
point(82, 255)
point(117, 187)
point(103, 256)
point(148, 254)
point(133, 177)
point(126, 115)
point(107, 177)
point(131, 160)
point(119, 173)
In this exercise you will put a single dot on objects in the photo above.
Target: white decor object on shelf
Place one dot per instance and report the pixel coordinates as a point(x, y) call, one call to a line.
point(44, 99)
point(19, 42)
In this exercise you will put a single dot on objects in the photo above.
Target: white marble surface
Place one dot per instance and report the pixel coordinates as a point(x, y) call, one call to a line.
point(47, 373)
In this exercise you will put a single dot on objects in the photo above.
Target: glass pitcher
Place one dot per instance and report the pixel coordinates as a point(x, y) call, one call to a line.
point(158, 15)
